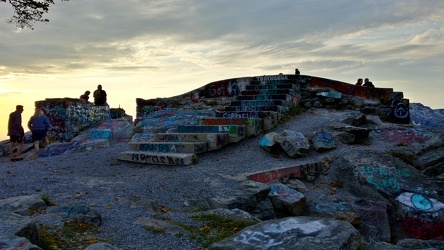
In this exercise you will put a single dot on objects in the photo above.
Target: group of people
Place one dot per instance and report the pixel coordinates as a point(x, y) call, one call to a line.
point(99, 96)
point(38, 124)
point(367, 83)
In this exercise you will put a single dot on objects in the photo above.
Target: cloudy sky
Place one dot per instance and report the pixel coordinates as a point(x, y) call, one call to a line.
point(148, 49)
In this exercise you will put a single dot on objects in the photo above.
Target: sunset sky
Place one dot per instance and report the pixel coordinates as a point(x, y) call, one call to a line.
point(148, 49)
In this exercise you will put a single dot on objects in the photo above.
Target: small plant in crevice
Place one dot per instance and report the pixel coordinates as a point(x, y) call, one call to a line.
point(214, 228)
point(72, 235)
point(48, 201)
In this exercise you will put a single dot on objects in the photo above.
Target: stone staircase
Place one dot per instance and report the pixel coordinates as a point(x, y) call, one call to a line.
point(256, 109)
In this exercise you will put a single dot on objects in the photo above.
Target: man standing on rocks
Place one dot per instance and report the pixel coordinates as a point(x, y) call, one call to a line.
point(16, 133)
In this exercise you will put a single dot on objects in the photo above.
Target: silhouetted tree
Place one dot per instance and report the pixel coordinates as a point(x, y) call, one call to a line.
point(27, 12)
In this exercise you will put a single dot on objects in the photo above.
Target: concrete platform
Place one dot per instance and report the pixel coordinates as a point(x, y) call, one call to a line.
point(154, 158)
point(169, 147)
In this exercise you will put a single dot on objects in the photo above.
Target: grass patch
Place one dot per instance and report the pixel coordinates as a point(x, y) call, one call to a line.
point(155, 229)
point(215, 228)
point(72, 235)
point(48, 201)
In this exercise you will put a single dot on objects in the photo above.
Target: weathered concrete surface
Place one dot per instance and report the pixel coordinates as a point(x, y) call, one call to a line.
point(235, 132)
point(214, 140)
point(157, 158)
point(169, 147)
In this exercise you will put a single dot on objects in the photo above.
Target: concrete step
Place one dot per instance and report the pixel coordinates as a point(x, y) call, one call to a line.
point(173, 159)
point(246, 114)
point(169, 147)
point(213, 140)
point(276, 108)
point(271, 87)
point(272, 81)
point(253, 103)
point(270, 118)
point(264, 97)
point(254, 126)
point(235, 132)
point(291, 92)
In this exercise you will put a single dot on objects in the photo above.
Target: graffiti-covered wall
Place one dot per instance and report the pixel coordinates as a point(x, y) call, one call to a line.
point(228, 89)
point(383, 94)
point(69, 116)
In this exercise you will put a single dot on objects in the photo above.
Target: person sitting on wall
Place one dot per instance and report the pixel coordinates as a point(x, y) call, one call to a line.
point(367, 83)
point(359, 82)
point(85, 97)
point(99, 96)
point(297, 72)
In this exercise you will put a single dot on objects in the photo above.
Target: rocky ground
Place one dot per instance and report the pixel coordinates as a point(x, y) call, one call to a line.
point(130, 198)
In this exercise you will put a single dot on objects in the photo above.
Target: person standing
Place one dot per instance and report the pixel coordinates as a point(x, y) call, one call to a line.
point(16, 133)
point(99, 96)
point(39, 125)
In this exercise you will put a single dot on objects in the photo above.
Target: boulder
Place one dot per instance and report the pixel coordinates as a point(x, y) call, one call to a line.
point(322, 141)
point(286, 200)
point(294, 233)
point(293, 143)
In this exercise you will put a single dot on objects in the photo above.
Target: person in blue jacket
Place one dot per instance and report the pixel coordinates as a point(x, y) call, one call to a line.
point(39, 125)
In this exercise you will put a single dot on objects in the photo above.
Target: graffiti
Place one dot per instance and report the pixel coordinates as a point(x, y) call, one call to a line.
point(334, 95)
point(258, 103)
point(306, 171)
point(386, 179)
point(400, 109)
point(68, 117)
point(161, 147)
point(407, 136)
point(231, 121)
point(160, 159)
point(421, 229)
point(252, 108)
point(271, 79)
point(233, 115)
point(324, 137)
point(418, 202)
point(100, 134)
point(232, 130)
point(223, 88)
point(279, 189)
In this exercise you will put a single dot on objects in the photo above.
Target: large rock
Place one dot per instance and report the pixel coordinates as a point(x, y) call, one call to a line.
point(294, 233)
point(322, 141)
point(293, 143)
point(286, 199)
point(361, 134)
point(246, 198)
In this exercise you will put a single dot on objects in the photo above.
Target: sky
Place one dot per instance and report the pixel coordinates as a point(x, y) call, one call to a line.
point(148, 49)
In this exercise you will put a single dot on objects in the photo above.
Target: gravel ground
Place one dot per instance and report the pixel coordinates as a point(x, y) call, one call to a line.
point(115, 188)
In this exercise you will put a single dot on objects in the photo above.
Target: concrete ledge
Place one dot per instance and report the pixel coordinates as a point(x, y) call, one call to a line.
point(172, 159)
point(254, 103)
point(214, 140)
point(169, 147)
point(271, 86)
point(254, 126)
point(264, 97)
point(235, 132)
